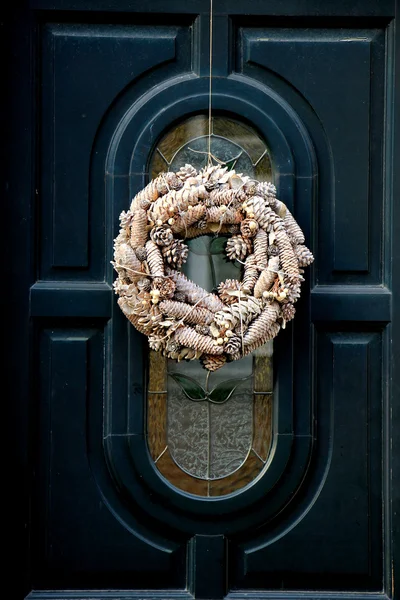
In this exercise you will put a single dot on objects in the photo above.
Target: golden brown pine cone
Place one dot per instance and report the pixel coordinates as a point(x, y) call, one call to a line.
point(139, 228)
point(213, 362)
point(288, 311)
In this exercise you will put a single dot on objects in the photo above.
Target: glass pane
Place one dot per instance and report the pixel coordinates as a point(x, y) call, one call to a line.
point(199, 442)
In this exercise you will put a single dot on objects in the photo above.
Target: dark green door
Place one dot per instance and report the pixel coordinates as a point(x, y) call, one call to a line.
point(94, 89)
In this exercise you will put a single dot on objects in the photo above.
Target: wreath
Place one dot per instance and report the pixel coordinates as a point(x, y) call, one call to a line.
point(181, 319)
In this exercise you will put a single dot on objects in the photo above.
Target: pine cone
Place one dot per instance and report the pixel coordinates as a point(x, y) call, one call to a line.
point(125, 218)
point(144, 284)
point(165, 286)
point(304, 256)
point(287, 256)
point(221, 214)
point(154, 259)
point(260, 327)
point(229, 285)
point(248, 228)
point(257, 208)
point(238, 314)
point(234, 345)
point(176, 254)
point(189, 314)
point(293, 229)
point(194, 293)
point(139, 228)
point(267, 190)
point(271, 333)
point(156, 343)
point(126, 259)
point(180, 297)
point(166, 182)
point(202, 224)
point(222, 197)
point(147, 194)
point(288, 311)
point(190, 338)
point(267, 277)
point(213, 362)
point(251, 273)
point(260, 248)
point(203, 329)
point(141, 253)
point(186, 172)
point(186, 219)
point(162, 235)
point(237, 248)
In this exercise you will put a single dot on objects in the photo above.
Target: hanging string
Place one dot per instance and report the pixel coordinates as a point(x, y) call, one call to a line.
point(210, 86)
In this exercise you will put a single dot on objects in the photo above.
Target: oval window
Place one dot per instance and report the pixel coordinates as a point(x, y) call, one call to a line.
point(210, 434)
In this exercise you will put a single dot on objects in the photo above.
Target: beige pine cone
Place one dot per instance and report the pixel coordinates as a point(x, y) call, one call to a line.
point(176, 254)
point(126, 259)
point(221, 214)
point(251, 273)
point(287, 256)
point(166, 182)
point(186, 172)
point(260, 248)
point(222, 197)
point(229, 285)
point(187, 313)
point(293, 229)
point(234, 345)
point(266, 190)
point(304, 256)
point(260, 327)
point(267, 277)
point(238, 314)
point(162, 235)
point(190, 338)
point(248, 228)
point(213, 362)
point(183, 221)
point(237, 248)
point(145, 196)
point(288, 311)
point(194, 293)
point(263, 214)
point(154, 259)
point(165, 286)
point(144, 284)
point(139, 228)
point(271, 333)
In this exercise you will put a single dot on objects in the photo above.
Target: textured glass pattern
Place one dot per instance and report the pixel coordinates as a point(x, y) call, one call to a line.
point(203, 447)
point(232, 142)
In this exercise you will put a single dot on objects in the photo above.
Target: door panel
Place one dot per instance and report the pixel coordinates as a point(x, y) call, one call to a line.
point(316, 84)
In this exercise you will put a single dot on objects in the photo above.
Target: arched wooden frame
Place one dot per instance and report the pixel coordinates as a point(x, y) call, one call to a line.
point(157, 438)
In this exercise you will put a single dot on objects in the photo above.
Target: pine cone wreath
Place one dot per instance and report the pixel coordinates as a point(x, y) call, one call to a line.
point(181, 319)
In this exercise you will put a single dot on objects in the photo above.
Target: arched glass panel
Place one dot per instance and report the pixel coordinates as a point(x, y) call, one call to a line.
point(203, 447)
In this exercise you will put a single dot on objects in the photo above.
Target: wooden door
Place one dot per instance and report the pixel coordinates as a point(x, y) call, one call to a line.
point(93, 87)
